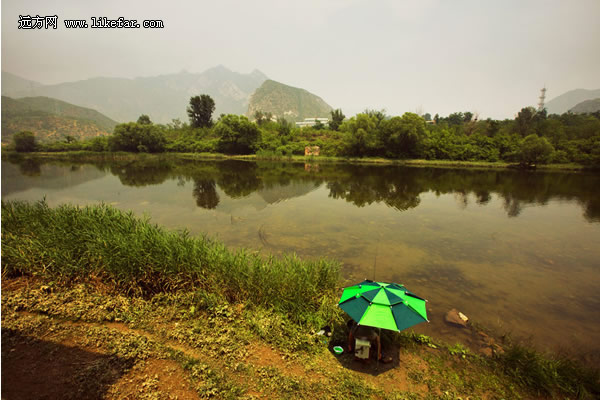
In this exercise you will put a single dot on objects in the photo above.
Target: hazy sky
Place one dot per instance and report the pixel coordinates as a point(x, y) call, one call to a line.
point(490, 57)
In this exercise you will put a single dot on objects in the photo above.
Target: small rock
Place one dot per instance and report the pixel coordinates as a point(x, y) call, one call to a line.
point(456, 318)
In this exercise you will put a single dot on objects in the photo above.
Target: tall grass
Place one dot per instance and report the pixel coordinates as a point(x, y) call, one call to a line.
point(544, 373)
point(140, 258)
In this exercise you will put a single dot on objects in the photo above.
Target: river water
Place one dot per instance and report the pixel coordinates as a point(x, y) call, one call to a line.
point(518, 252)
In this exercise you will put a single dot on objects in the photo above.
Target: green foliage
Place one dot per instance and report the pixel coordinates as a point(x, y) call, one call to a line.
point(285, 127)
point(337, 117)
point(560, 139)
point(262, 117)
point(144, 120)
point(361, 135)
point(200, 111)
point(24, 142)
point(98, 144)
point(138, 257)
point(524, 121)
point(136, 138)
point(535, 150)
point(401, 136)
point(236, 134)
point(543, 374)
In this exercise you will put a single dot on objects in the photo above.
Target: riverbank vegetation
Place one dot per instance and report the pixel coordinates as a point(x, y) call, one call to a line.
point(227, 324)
point(530, 139)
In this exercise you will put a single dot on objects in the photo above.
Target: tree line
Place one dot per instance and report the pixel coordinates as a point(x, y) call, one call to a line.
point(531, 138)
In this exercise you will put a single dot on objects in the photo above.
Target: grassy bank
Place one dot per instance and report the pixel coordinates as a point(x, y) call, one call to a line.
point(107, 156)
point(69, 243)
point(236, 325)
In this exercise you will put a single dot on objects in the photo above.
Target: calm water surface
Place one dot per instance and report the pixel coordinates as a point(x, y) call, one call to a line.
point(515, 251)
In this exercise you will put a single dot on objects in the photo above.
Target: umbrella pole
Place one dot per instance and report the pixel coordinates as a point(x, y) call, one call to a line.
point(378, 350)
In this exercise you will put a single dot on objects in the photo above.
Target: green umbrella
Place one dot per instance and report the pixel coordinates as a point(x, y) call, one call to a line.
point(383, 305)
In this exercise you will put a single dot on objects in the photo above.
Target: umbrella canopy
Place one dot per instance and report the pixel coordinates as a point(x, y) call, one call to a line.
point(383, 305)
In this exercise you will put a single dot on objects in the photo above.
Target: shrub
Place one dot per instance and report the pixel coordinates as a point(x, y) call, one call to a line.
point(24, 141)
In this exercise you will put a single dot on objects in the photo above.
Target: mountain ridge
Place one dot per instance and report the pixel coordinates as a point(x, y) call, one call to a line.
point(586, 106)
point(51, 119)
point(162, 97)
point(287, 101)
point(566, 101)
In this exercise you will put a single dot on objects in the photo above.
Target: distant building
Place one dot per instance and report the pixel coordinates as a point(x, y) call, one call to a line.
point(312, 122)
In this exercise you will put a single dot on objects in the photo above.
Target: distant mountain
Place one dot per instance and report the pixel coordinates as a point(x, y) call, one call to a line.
point(570, 99)
point(12, 83)
point(587, 106)
point(287, 101)
point(277, 193)
point(161, 97)
point(51, 119)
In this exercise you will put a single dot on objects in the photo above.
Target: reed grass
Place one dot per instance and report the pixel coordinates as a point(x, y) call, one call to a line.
point(140, 258)
point(548, 374)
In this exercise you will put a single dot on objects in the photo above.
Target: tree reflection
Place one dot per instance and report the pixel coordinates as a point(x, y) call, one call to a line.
point(30, 167)
point(238, 179)
point(361, 185)
point(205, 193)
point(142, 173)
point(483, 197)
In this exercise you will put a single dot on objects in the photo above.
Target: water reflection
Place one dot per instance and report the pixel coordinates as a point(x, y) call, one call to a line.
point(205, 193)
point(360, 185)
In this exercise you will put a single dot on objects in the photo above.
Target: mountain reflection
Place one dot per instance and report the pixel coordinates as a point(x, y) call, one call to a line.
point(361, 185)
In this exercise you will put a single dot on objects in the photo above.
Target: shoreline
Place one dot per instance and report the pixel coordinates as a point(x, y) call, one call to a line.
point(132, 283)
point(449, 164)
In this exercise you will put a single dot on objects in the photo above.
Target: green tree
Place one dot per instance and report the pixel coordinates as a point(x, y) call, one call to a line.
point(200, 111)
point(144, 120)
point(337, 117)
point(524, 121)
point(259, 117)
point(535, 150)
point(285, 126)
point(402, 135)
point(456, 118)
point(236, 134)
point(24, 142)
point(361, 134)
point(98, 144)
point(492, 127)
point(136, 138)
point(377, 114)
